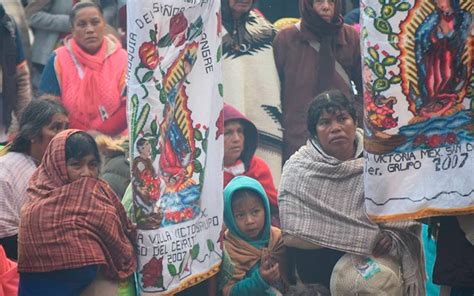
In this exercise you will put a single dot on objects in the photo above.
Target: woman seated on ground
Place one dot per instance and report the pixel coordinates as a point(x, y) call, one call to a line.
point(323, 215)
point(74, 227)
point(88, 73)
point(41, 120)
point(240, 143)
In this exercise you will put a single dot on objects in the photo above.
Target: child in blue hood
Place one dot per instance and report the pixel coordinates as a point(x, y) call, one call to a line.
point(254, 254)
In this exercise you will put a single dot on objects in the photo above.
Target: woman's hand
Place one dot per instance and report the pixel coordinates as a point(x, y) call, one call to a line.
point(269, 271)
point(383, 246)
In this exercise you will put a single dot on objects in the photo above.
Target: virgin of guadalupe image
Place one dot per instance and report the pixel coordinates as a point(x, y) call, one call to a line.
point(440, 48)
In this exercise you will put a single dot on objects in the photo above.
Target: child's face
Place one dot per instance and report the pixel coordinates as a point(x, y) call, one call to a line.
point(88, 166)
point(249, 214)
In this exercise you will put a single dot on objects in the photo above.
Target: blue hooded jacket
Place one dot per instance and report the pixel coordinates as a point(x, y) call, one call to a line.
point(253, 283)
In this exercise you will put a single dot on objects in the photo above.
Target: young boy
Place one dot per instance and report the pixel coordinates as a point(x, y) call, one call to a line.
point(254, 255)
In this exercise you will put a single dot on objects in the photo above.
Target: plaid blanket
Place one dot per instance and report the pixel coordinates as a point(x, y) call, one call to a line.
point(321, 201)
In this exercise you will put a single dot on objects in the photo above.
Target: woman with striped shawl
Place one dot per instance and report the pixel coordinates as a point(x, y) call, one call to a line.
point(322, 209)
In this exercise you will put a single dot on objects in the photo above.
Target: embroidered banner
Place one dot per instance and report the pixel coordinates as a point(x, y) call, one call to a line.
point(175, 115)
point(418, 95)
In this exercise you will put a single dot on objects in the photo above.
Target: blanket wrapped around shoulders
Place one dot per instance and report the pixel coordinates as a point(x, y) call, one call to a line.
point(321, 202)
point(244, 257)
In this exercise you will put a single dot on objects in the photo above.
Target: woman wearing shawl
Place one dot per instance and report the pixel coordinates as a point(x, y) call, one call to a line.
point(322, 209)
point(240, 142)
point(88, 73)
point(318, 54)
point(74, 226)
point(254, 255)
point(41, 120)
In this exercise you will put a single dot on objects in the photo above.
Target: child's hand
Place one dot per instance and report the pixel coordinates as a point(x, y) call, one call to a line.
point(269, 271)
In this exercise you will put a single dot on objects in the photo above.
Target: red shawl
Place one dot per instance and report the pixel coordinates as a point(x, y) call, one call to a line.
point(259, 170)
point(70, 225)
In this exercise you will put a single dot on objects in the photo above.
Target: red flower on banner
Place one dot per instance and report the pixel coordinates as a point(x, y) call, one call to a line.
point(178, 26)
point(389, 122)
point(435, 141)
point(220, 124)
point(152, 272)
point(419, 140)
point(149, 55)
point(151, 183)
point(451, 138)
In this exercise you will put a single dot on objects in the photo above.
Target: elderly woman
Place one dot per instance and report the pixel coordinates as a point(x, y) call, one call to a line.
point(88, 73)
point(322, 209)
point(318, 54)
point(39, 123)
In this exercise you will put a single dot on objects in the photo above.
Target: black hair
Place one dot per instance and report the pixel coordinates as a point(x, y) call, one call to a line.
point(246, 192)
point(140, 143)
point(36, 115)
point(81, 144)
point(81, 5)
point(330, 101)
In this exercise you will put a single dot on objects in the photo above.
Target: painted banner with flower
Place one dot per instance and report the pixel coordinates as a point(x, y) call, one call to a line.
point(419, 102)
point(175, 127)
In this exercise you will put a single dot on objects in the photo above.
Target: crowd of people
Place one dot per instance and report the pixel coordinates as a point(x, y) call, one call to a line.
point(294, 213)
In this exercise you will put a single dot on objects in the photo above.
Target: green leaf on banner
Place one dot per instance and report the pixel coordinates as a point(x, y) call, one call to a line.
point(163, 97)
point(394, 1)
point(370, 12)
point(197, 166)
point(393, 39)
point(389, 61)
point(396, 79)
point(134, 100)
point(379, 70)
point(154, 127)
point(404, 6)
point(142, 118)
point(197, 153)
point(197, 134)
point(165, 41)
point(181, 265)
point(172, 269)
point(381, 84)
point(221, 90)
point(388, 11)
point(204, 145)
point(210, 245)
point(201, 179)
point(219, 53)
point(153, 36)
point(373, 53)
point(383, 26)
point(195, 252)
point(148, 75)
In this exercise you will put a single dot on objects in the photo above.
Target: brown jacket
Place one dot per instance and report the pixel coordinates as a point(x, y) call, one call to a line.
point(297, 64)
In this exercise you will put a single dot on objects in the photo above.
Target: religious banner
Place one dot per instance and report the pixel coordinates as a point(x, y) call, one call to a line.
point(418, 96)
point(175, 115)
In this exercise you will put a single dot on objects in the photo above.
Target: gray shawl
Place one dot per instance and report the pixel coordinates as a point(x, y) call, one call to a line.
point(321, 201)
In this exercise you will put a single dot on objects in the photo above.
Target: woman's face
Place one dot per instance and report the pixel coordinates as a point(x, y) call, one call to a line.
point(88, 29)
point(325, 9)
point(240, 7)
point(234, 140)
point(88, 166)
point(336, 134)
point(59, 122)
